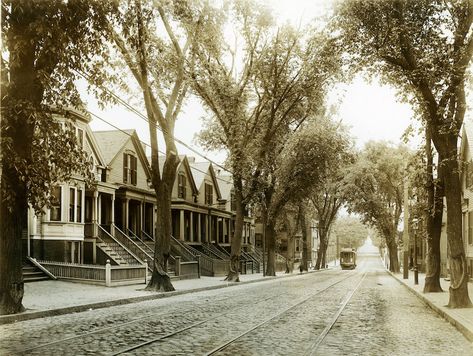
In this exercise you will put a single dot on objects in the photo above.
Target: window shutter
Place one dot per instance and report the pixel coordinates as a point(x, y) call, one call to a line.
point(125, 168)
point(134, 167)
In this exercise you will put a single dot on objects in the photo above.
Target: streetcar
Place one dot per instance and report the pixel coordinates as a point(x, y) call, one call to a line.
point(348, 258)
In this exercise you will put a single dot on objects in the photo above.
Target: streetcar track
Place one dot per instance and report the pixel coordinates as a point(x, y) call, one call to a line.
point(329, 327)
point(223, 346)
point(136, 320)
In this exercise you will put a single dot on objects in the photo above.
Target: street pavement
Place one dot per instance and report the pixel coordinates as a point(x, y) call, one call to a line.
point(333, 312)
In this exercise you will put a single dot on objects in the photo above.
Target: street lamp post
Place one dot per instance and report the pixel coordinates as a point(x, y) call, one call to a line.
point(415, 222)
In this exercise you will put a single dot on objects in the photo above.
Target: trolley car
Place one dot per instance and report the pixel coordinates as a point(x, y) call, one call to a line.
point(348, 258)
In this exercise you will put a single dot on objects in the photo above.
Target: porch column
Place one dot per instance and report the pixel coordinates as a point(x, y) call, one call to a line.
point(230, 230)
point(112, 216)
point(127, 211)
point(199, 227)
point(181, 225)
point(191, 224)
point(142, 218)
point(208, 229)
point(217, 230)
point(82, 252)
point(138, 220)
point(95, 210)
point(99, 217)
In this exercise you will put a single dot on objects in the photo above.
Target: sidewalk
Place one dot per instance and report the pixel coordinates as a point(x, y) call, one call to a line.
point(49, 298)
point(462, 319)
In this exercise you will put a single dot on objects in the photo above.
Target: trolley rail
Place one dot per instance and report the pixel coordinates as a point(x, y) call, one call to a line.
point(114, 327)
point(229, 342)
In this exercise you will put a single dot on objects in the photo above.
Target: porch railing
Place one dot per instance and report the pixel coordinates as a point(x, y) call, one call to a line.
point(96, 274)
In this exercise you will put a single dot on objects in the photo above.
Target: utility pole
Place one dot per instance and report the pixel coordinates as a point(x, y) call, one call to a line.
point(405, 233)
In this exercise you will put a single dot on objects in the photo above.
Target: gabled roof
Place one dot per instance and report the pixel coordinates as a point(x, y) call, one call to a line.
point(95, 147)
point(225, 183)
point(200, 170)
point(112, 143)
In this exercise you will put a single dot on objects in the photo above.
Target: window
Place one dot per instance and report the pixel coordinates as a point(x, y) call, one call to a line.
point(72, 202)
point(181, 186)
point(55, 211)
point(208, 194)
point(79, 205)
point(130, 164)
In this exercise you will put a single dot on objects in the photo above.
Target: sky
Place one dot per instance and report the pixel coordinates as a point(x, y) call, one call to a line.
point(369, 109)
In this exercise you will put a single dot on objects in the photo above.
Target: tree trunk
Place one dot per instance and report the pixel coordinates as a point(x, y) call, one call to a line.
point(11, 224)
point(160, 280)
point(324, 257)
point(320, 252)
point(234, 274)
point(290, 252)
point(23, 98)
point(434, 222)
point(304, 229)
point(271, 247)
point(458, 269)
point(393, 258)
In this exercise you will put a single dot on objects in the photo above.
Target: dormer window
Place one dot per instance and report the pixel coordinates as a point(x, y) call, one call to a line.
point(181, 193)
point(130, 164)
point(208, 194)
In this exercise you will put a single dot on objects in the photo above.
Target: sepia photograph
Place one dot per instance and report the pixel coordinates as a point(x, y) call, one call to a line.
point(236, 177)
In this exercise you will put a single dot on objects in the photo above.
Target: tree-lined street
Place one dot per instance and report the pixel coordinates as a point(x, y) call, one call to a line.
point(287, 316)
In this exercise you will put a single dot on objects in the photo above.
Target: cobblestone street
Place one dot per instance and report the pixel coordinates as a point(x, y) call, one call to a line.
point(289, 316)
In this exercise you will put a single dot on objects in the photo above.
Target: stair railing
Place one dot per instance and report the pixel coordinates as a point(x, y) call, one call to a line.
point(105, 235)
point(148, 236)
point(132, 245)
point(143, 245)
point(41, 267)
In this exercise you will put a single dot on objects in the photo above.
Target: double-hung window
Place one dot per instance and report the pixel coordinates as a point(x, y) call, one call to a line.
point(56, 197)
point(208, 194)
point(130, 165)
point(181, 186)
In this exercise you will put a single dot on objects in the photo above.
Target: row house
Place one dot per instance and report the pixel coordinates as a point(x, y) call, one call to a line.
point(114, 220)
point(466, 158)
point(466, 182)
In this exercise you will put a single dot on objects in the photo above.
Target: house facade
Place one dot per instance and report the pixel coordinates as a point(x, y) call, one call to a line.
point(466, 159)
point(113, 221)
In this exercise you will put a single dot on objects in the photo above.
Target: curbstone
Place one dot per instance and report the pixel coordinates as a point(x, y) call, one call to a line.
point(456, 323)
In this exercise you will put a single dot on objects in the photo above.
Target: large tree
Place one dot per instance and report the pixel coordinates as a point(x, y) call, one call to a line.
point(350, 232)
point(373, 189)
point(327, 199)
point(44, 43)
point(299, 167)
point(276, 86)
point(424, 49)
point(154, 40)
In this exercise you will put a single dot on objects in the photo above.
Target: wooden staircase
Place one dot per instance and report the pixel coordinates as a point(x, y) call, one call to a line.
point(33, 274)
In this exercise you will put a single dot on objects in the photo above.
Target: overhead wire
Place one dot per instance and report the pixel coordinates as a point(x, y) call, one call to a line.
point(145, 118)
point(147, 144)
